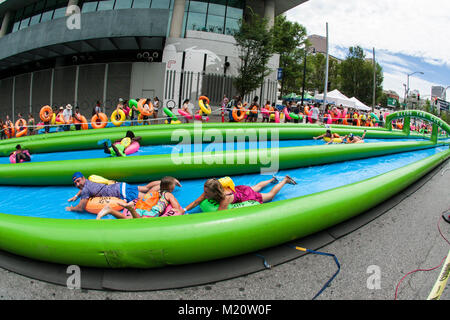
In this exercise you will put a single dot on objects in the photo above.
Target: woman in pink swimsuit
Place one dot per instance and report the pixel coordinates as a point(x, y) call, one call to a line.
point(225, 196)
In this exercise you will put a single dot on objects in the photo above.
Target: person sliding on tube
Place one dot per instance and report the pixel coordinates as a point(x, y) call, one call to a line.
point(120, 190)
point(20, 155)
point(117, 148)
point(213, 189)
point(351, 138)
point(329, 135)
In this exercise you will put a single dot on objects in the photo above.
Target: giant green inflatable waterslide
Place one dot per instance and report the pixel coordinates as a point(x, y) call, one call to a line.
point(149, 243)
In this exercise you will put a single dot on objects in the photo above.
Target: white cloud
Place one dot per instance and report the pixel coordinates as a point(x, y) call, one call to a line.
point(412, 27)
point(397, 29)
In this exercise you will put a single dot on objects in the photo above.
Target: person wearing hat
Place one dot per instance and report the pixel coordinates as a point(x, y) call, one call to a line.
point(120, 190)
point(67, 116)
point(351, 138)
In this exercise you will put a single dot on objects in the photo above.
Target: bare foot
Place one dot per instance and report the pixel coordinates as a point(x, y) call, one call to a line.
point(290, 180)
point(103, 212)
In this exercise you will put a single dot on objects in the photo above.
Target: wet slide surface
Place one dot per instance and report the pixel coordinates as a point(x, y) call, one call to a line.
point(50, 202)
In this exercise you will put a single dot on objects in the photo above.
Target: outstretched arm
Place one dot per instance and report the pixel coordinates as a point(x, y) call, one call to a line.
point(196, 202)
point(80, 207)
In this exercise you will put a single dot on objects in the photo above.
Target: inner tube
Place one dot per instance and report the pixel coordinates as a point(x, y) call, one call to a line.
point(277, 117)
point(184, 114)
point(12, 157)
point(294, 116)
point(209, 205)
point(286, 114)
point(96, 204)
point(21, 123)
point(96, 124)
point(9, 130)
point(122, 116)
point(241, 111)
point(46, 113)
point(200, 118)
point(141, 108)
point(205, 109)
point(335, 140)
point(170, 114)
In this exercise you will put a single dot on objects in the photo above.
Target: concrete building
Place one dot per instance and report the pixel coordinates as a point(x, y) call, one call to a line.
point(80, 51)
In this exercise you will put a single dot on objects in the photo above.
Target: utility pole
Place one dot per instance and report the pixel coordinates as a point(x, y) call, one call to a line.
point(374, 81)
point(326, 74)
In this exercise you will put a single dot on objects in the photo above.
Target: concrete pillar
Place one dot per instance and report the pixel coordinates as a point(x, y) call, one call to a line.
point(269, 12)
point(5, 24)
point(176, 25)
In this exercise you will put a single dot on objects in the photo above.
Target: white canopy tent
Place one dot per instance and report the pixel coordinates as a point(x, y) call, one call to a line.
point(337, 98)
point(359, 105)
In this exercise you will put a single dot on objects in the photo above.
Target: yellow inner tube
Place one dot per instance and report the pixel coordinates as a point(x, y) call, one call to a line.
point(205, 109)
point(337, 140)
point(99, 179)
point(114, 120)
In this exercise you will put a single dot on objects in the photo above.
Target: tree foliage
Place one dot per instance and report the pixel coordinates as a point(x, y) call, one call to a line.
point(254, 42)
point(356, 76)
point(289, 41)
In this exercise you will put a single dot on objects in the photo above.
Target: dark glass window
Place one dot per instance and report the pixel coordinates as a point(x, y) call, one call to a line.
point(161, 4)
point(123, 4)
point(89, 6)
point(196, 21)
point(198, 6)
point(59, 13)
point(105, 5)
point(24, 23)
point(231, 26)
point(215, 24)
point(217, 8)
point(35, 19)
point(47, 16)
point(141, 4)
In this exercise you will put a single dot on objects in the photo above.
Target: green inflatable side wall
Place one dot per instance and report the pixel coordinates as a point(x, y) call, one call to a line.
point(148, 243)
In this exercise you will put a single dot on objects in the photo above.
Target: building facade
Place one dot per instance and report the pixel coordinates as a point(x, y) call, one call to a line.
point(81, 51)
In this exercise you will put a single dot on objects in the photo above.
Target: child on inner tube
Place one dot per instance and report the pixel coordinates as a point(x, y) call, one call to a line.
point(116, 148)
point(167, 186)
point(213, 189)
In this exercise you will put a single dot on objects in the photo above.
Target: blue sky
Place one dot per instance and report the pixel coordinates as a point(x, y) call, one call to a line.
point(408, 36)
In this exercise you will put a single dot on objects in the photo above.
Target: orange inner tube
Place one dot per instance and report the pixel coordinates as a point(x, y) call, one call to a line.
point(97, 123)
point(83, 121)
point(241, 115)
point(46, 113)
point(21, 123)
point(254, 109)
point(204, 98)
point(141, 107)
point(9, 130)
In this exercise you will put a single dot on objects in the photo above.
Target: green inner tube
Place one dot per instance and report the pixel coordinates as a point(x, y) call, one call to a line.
point(132, 103)
point(209, 205)
point(294, 116)
point(170, 113)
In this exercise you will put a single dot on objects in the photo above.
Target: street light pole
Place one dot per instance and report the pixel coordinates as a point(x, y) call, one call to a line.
point(407, 83)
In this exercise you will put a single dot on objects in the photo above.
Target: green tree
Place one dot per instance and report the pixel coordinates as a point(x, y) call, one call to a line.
point(289, 40)
point(356, 76)
point(315, 76)
point(254, 42)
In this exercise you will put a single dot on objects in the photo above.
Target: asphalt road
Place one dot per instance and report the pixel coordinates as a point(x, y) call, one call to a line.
point(403, 239)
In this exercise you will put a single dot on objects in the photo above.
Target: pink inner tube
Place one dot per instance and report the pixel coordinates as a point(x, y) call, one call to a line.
point(12, 157)
point(286, 114)
point(309, 116)
point(264, 111)
point(277, 117)
point(132, 148)
point(199, 117)
point(184, 114)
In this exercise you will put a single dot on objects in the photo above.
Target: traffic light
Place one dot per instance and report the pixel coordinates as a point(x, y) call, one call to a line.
point(418, 97)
